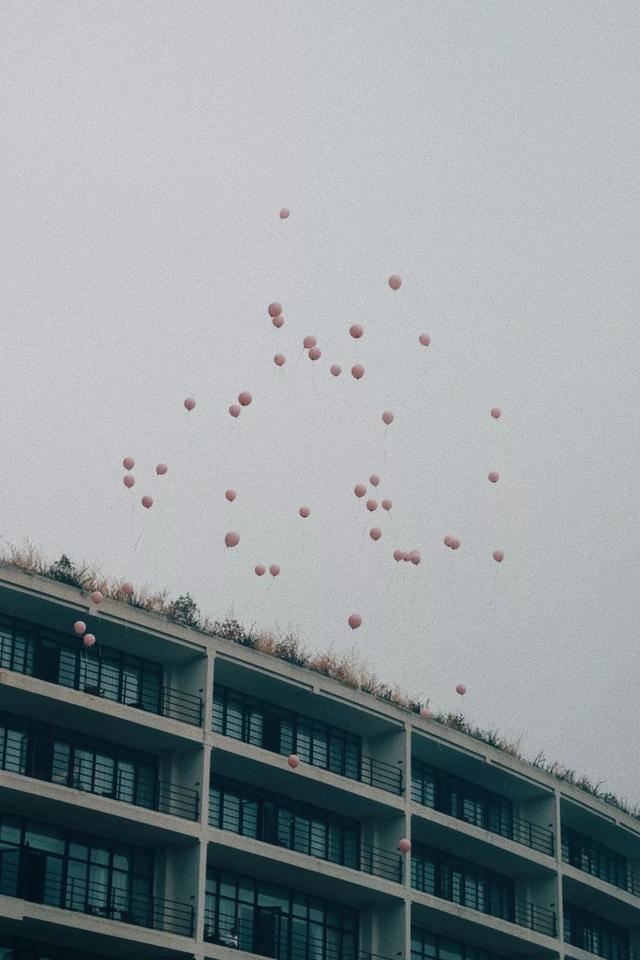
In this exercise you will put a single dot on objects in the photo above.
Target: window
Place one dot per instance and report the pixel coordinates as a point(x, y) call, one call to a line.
point(585, 854)
point(430, 946)
point(462, 882)
point(595, 934)
point(461, 799)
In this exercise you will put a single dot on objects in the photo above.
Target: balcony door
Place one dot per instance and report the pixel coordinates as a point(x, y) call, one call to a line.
point(266, 931)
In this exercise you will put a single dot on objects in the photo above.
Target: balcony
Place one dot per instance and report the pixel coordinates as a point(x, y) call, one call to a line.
point(267, 936)
point(95, 899)
point(534, 917)
point(601, 864)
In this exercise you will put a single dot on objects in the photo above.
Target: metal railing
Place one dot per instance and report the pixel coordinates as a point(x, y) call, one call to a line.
point(534, 917)
point(531, 835)
point(99, 900)
point(276, 939)
point(105, 780)
point(380, 863)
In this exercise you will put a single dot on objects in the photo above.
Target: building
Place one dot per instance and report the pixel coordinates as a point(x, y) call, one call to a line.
point(148, 811)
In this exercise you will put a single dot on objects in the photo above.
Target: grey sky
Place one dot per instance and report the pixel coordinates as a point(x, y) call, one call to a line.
point(486, 152)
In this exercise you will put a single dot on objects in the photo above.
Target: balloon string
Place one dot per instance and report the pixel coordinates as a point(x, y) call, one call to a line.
point(139, 536)
point(493, 588)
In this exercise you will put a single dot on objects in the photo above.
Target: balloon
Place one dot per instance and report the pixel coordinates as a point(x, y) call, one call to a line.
point(454, 543)
point(359, 489)
point(284, 213)
point(314, 353)
point(274, 569)
point(372, 505)
point(128, 589)
point(356, 330)
point(374, 479)
point(279, 360)
point(354, 621)
point(498, 556)
point(398, 554)
point(425, 713)
point(447, 540)
point(415, 557)
point(244, 398)
point(189, 403)
point(395, 282)
point(79, 627)
point(277, 322)
point(235, 410)
point(88, 640)
point(496, 413)
point(231, 539)
point(260, 570)
point(161, 469)
point(96, 597)
point(461, 689)
point(375, 533)
point(493, 476)
point(147, 502)
point(336, 369)
point(230, 495)
point(424, 339)
point(304, 511)
point(128, 480)
point(275, 309)
point(387, 504)
point(357, 371)
point(293, 761)
point(404, 845)
point(309, 342)
point(387, 417)
point(128, 463)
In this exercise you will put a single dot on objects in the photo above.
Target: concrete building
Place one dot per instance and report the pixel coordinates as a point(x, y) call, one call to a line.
point(148, 812)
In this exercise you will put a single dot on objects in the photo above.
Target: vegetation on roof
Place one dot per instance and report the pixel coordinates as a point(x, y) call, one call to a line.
point(346, 669)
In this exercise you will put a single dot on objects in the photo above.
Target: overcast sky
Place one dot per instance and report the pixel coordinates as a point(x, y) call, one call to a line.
point(486, 152)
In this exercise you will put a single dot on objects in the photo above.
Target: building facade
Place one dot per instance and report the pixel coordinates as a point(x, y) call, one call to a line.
point(148, 811)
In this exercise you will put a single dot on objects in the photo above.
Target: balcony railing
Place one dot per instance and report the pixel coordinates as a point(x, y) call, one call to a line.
point(625, 879)
point(276, 939)
point(96, 899)
point(534, 917)
point(531, 835)
point(102, 779)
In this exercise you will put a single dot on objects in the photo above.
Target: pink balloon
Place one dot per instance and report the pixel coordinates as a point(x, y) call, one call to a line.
point(284, 213)
point(356, 330)
point(304, 511)
point(128, 480)
point(398, 554)
point(230, 495)
point(244, 398)
point(424, 339)
point(336, 369)
point(404, 845)
point(387, 504)
point(277, 321)
point(128, 463)
point(309, 342)
point(235, 410)
point(425, 713)
point(454, 543)
point(231, 539)
point(88, 640)
point(96, 597)
point(314, 353)
point(161, 469)
point(357, 371)
point(128, 589)
point(260, 570)
point(147, 502)
point(395, 282)
point(498, 556)
point(189, 403)
point(415, 557)
point(354, 621)
point(375, 533)
point(493, 476)
point(274, 569)
point(372, 505)
point(359, 489)
point(496, 413)
point(387, 417)
point(293, 761)
point(79, 627)
point(279, 360)
point(461, 689)
point(374, 479)
point(275, 309)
